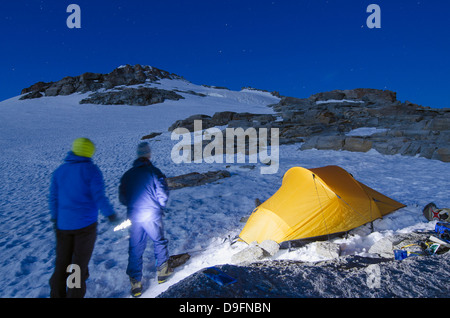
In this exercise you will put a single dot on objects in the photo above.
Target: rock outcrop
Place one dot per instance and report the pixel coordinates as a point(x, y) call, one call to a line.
point(195, 179)
point(142, 96)
point(228, 119)
point(231, 119)
point(324, 121)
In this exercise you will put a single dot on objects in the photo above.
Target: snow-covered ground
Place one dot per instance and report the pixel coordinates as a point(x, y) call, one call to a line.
point(365, 131)
point(35, 136)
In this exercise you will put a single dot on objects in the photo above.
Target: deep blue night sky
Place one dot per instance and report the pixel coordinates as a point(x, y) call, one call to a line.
point(295, 47)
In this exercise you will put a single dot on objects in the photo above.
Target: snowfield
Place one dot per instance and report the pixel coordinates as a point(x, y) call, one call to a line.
point(35, 136)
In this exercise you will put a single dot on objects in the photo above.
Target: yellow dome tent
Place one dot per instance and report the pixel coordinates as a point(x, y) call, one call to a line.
point(313, 203)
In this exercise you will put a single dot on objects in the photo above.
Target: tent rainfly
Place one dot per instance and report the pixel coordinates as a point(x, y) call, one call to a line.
point(316, 203)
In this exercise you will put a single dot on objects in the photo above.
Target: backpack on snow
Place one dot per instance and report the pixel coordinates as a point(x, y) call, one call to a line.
point(443, 230)
point(433, 213)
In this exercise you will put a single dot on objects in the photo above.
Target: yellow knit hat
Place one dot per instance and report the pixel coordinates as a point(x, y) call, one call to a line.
point(83, 147)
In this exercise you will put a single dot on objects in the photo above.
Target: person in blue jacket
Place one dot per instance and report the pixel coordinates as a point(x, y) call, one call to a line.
point(76, 194)
point(143, 189)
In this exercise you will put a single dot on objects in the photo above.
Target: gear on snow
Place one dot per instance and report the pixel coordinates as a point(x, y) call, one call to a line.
point(432, 213)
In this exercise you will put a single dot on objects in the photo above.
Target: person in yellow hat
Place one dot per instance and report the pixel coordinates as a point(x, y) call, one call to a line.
point(77, 192)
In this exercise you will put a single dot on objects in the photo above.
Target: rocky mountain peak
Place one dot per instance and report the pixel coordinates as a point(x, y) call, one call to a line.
point(123, 75)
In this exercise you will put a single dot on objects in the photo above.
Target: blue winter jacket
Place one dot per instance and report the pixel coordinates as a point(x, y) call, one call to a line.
point(77, 192)
point(143, 189)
